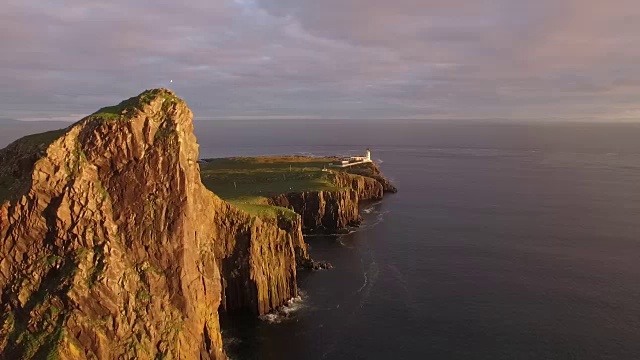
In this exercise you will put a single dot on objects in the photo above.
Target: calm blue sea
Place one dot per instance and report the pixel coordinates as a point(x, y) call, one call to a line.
point(506, 241)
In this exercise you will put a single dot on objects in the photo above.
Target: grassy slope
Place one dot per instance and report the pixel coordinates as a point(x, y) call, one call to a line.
point(13, 178)
point(118, 112)
point(248, 182)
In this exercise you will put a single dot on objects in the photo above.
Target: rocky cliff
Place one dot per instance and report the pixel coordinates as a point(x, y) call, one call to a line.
point(334, 211)
point(258, 258)
point(112, 248)
point(371, 170)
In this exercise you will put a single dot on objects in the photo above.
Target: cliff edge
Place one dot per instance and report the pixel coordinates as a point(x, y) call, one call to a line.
point(113, 248)
point(331, 211)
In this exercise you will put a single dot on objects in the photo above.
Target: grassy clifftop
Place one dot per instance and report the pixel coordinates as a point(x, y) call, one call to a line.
point(249, 182)
point(117, 112)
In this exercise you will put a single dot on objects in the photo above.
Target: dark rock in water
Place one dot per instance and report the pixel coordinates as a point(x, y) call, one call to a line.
point(322, 265)
point(315, 265)
point(387, 185)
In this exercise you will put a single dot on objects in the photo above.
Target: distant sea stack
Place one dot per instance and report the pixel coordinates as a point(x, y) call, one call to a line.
point(112, 247)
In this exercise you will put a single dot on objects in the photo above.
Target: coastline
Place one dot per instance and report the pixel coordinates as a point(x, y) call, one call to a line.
point(327, 199)
point(121, 233)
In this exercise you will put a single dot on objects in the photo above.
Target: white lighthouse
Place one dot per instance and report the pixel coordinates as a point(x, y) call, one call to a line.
point(368, 155)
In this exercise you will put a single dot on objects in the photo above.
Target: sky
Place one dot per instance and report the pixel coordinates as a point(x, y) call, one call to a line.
point(310, 59)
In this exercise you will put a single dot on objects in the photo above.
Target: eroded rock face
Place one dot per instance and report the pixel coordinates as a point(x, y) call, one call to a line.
point(371, 170)
point(114, 248)
point(333, 211)
point(366, 188)
point(322, 211)
point(258, 259)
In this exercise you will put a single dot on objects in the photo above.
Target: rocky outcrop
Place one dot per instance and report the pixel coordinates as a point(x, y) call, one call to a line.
point(366, 188)
point(322, 211)
point(371, 170)
point(334, 211)
point(112, 248)
point(258, 259)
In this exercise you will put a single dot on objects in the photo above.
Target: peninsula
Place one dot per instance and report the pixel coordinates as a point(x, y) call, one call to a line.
point(112, 247)
point(322, 190)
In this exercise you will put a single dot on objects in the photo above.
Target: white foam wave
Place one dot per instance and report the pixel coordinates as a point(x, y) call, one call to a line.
point(364, 284)
point(314, 235)
point(370, 276)
point(284, 312)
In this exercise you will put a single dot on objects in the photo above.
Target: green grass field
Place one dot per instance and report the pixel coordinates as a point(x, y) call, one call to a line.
point(116, 112)
point(248, 182)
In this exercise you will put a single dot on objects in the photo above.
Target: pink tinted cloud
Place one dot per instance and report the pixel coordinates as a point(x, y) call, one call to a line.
point(333, 58)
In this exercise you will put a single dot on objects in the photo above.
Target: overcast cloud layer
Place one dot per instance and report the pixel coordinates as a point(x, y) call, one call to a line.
point(513, 59)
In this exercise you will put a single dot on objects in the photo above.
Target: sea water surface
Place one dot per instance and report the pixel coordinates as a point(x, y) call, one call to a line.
point(505, 241)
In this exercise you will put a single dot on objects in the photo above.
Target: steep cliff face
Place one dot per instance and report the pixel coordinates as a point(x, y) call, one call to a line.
point(322, 211)
point(365, 187)
point(333, 211)
point(112, 248)
point(371, 170)
point(258, 259)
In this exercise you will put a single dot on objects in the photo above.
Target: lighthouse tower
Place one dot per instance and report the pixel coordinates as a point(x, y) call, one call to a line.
point(368, 155)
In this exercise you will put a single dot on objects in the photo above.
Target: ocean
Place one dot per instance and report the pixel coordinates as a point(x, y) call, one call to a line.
point(505, 241)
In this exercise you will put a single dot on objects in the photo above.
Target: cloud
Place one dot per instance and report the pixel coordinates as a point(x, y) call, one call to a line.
point(330, 58)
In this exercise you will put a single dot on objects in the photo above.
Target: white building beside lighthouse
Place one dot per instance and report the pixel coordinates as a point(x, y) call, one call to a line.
point(354, 160)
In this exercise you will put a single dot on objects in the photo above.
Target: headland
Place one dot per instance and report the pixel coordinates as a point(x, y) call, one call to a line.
point(112, 247)
point(326, 196)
